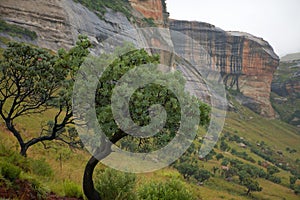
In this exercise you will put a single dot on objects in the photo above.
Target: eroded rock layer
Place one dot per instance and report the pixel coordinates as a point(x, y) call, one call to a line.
point(246, 63)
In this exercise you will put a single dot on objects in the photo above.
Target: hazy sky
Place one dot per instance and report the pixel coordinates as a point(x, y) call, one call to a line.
point(276, 21)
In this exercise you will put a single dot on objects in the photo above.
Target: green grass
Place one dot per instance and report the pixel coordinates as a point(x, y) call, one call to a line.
point(99, 7)
point(68, 165)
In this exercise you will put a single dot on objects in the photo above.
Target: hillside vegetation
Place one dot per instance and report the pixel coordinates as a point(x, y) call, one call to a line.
point(59, 169)
point(255, 158)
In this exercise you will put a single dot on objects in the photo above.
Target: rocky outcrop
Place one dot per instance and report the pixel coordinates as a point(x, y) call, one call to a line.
point(246, 63)
point(154, 9)
point(289, 88)
point(46, 18)
point(58, 23)
point(285, 95)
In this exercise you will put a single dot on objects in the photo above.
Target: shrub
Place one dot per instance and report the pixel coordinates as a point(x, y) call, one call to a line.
point(9, 171)
point(14, 158)
point(297, 189)
point(39, 188)
point(224, 146)
point(170, 190)
point(202, 175)
point(113, 184)
point(274, 179)
point(272, 170)
point(42, 168)
point(72, 189)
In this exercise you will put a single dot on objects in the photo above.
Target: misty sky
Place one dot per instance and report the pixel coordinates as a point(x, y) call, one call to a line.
point(276, 21)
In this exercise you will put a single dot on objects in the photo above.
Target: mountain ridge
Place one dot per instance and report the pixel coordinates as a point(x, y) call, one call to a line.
point(57, 24)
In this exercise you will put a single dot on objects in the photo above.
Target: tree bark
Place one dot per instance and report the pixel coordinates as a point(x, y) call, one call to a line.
point(248, 192)
point(23, 150)
point(88, 184)
point(103, 151)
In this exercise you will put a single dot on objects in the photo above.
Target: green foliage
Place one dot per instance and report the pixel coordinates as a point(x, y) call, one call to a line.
point(100, 6)
point(297, 189)
point(243, 155)
point(293, 180)
point(219, 156)
point(32, 80)
point(12, 157)
point(14, 30)
point(141, 100)
point(273, 179)
point(150, 22)
point(41, 168)
point(210, 155)
point(202, 175)
point(113, 184)
point(169, 190)
point(72, 189)
point(9, 171)
point(224, 146)
point(225, 162)
point(251, 185)
point(39, 188)
point(189, 170)
point(272, 170)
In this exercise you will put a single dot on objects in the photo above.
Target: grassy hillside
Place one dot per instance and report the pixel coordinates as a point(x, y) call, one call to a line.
point(66, 165)
point(252, 141)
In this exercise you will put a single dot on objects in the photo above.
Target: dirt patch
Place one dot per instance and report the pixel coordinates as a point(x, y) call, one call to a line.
point(22, 190)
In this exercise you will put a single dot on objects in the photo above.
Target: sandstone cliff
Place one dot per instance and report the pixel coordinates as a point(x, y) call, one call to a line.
point(58, 23)
point(246, 63)
point(154, 9)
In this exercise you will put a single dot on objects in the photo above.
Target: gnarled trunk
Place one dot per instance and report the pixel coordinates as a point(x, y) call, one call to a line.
point(88, 184)
point(101, 153)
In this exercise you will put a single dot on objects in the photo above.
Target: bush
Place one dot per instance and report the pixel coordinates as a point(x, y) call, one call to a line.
point(41, 168)
point(272, 170)
point(9, 171)
point(202, 175)
point(171, 190)
point(113, 184)
point(297, 189)
point(14, 158)
point(274, 179)
point(40, 189)
point(219, 156)
point(71, 189)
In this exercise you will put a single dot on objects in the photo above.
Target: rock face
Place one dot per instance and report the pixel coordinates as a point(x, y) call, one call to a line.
point(155, 9)
point(58, 23)
point(46, 18)
point(285, 95)
point(246, 63)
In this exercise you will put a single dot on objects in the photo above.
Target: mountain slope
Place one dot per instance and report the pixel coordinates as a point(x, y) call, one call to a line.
point(253, 129)
point(285, 94)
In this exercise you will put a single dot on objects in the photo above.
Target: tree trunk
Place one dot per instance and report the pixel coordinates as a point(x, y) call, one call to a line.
point(23, 150)
point(248, 192)
point(88, 184)
point(105, 149)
